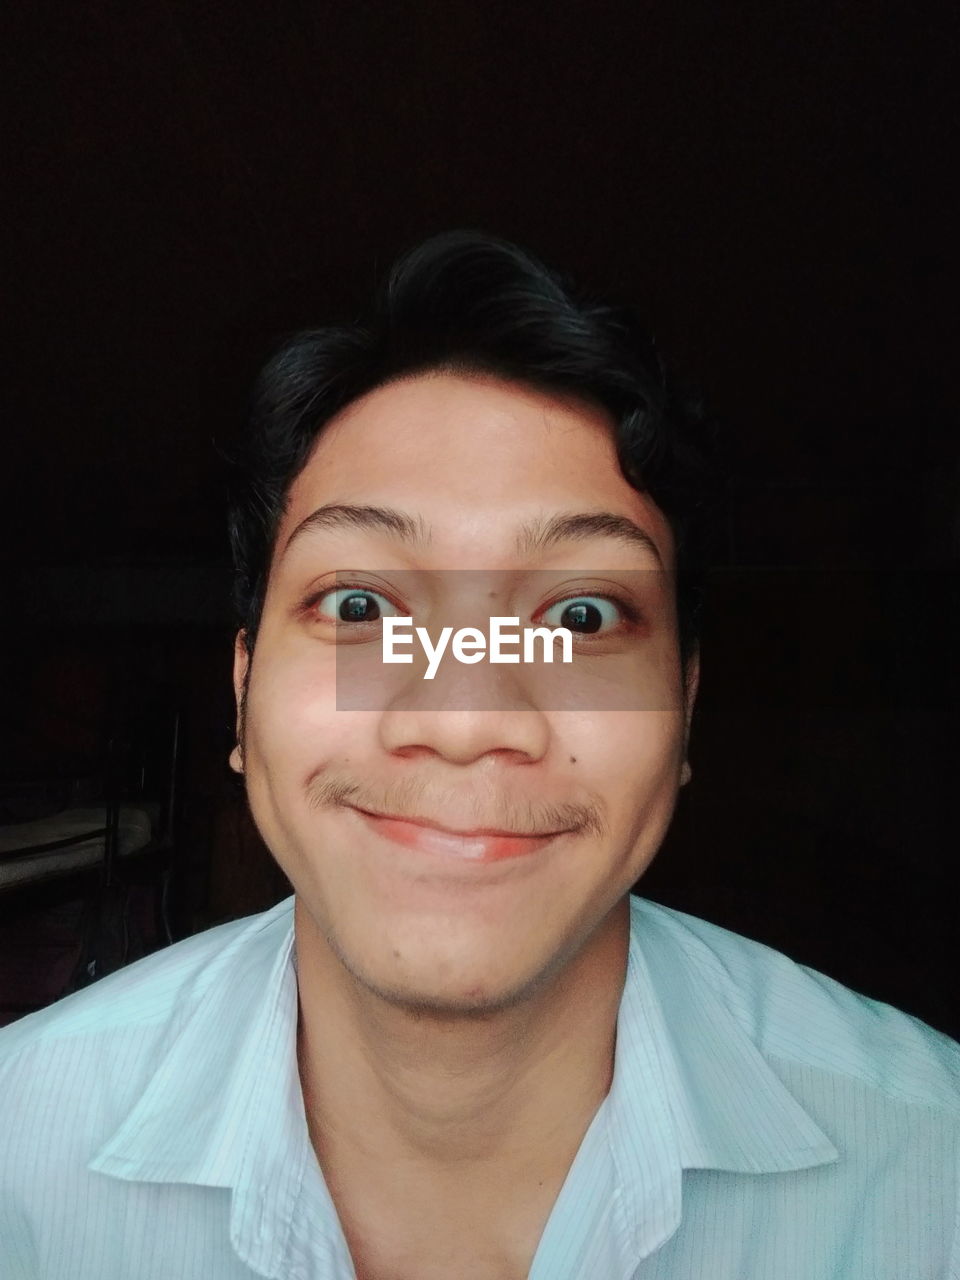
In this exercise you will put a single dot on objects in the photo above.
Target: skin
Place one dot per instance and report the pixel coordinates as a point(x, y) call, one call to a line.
point(457, 1022)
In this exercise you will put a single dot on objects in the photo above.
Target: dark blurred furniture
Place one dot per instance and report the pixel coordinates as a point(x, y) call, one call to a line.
point(96, 839)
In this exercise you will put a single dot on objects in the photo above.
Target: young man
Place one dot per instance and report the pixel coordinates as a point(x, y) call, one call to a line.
point(462, 1050)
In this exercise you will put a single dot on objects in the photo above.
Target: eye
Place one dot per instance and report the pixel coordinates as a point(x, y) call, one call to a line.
point(353, 606)
point(585, 615)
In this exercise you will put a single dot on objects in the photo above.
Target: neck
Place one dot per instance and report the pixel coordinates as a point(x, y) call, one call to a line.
point(513, 1088)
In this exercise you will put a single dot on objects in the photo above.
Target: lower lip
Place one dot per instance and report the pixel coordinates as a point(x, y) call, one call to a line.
point(468, 848)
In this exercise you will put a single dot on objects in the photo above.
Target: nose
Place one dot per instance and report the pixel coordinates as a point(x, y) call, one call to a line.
point(464, 713)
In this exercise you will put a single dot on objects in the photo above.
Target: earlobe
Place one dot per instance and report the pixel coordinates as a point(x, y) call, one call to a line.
point(236, 759)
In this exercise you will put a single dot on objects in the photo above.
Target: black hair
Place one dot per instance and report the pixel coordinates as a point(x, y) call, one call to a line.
point(467, 301)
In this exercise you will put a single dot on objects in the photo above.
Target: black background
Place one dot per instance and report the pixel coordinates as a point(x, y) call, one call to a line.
point(186, 182)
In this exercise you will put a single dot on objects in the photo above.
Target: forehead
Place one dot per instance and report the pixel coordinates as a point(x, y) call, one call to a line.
point(473, 458)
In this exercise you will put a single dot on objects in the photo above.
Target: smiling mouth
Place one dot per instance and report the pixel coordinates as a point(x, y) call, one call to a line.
point(484, 845)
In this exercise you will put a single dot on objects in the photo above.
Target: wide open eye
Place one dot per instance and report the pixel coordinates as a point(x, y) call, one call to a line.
point(354, 606)
point(585, 615)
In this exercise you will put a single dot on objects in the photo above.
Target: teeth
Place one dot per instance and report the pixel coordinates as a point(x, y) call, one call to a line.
point(442, 842)
point(466, 848)
point(458, 835)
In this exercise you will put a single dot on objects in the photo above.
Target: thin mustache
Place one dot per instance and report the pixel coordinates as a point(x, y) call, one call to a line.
point(545, 820)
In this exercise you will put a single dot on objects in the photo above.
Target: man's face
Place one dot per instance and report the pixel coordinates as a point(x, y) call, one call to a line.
point(470, 460)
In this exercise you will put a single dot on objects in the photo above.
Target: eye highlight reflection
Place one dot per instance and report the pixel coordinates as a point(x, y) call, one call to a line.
point(580, 612)
point(351, 593)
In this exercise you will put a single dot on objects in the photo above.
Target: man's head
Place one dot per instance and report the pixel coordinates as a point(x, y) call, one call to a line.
point(478, 400)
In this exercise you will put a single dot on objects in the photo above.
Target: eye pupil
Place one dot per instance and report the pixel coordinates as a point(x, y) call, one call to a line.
point(357, 608)
point(582, 617)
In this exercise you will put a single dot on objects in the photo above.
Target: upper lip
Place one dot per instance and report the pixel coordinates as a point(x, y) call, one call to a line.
point(455, 831)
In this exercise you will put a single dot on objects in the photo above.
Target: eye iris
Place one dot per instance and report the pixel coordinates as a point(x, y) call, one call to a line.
point(582, 617)
point(358, 608)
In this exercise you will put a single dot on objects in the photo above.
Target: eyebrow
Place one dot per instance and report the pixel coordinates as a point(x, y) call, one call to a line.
point(534, 536)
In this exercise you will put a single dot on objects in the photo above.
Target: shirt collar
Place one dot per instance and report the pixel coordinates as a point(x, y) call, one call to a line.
point(224, 1107)
point(690, 1089)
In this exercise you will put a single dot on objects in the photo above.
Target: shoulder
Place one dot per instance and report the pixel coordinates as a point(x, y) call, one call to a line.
point(109, 1037)
point(797, 1016)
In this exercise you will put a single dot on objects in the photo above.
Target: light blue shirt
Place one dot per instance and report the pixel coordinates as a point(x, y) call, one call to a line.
point(764, 1123)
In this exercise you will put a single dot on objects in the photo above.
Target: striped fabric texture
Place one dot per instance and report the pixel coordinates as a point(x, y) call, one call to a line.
point(764, 1123)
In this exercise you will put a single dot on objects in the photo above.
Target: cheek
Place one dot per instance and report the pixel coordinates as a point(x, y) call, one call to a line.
point(291, 711)
point(639, 762)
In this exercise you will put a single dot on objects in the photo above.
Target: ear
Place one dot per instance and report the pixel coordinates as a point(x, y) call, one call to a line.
point(690, 698)
point(241, 662)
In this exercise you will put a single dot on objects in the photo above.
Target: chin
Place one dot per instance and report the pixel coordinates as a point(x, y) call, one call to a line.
point(468, 996)
point(442, 1007)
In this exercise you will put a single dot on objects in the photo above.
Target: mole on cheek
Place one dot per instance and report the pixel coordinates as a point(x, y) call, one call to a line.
point(573, 759)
